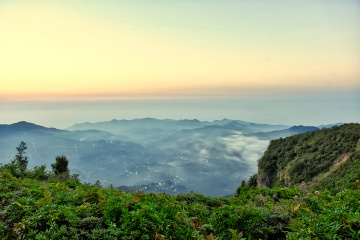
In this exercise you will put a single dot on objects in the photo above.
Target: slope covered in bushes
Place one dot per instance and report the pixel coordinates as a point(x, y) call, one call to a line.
point(324, 158)
point(33, 209)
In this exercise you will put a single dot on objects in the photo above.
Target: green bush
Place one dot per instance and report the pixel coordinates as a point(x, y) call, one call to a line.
point(33, 209)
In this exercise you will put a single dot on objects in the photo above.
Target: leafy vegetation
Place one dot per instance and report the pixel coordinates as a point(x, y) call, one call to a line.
point(343, 177)
point(304, 157)
point(33, 209)
point(37, 204)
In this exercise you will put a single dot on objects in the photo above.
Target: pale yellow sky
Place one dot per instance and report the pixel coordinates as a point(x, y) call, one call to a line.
point(99, 48)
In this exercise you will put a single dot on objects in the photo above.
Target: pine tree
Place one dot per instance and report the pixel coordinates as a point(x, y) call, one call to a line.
point(243, 183)
point(21, 160)
point(61, 165)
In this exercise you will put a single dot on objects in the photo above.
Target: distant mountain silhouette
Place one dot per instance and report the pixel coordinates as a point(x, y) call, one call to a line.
point(283, 133)
point(26, 128)
point(130, 127)
point(211, 157)
point(122, 126)
point(22, 126)
point(246, 127)
point(330, 125)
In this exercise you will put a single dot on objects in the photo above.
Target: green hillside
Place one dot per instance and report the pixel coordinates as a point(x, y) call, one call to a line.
point(328, 158)
point(40, 204)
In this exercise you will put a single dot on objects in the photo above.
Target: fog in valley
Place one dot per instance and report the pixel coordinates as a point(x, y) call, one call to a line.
point(172, 156)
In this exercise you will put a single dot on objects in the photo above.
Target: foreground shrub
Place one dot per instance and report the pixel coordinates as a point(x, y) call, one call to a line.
point(33, 209)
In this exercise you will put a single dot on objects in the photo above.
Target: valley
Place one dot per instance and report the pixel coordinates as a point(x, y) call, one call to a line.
point(209, 157)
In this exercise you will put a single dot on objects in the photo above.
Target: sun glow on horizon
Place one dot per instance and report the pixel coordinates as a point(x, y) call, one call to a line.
point(129, 49)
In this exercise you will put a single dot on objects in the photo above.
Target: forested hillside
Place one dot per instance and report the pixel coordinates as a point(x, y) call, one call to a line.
point(328, 158)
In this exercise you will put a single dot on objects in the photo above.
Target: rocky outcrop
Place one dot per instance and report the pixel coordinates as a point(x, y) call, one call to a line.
point(263, 179)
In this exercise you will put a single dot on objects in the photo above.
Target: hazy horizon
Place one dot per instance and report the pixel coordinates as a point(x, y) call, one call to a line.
point(278, 62)
point(288, 109)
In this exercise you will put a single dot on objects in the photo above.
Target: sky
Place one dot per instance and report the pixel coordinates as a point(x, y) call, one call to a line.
point(86, 50)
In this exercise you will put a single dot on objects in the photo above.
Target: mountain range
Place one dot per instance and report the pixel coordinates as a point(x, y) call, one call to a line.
point(210, 157)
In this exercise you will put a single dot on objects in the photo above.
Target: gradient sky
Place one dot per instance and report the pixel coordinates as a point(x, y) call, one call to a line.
point(87, 48)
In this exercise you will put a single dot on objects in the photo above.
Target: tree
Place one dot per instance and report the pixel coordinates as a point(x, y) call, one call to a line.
point(21, 160)
point(97, 184)
point(241, 188)
point(61, 165)
point(39, 173)
point(252, 181)
point(243, 183)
